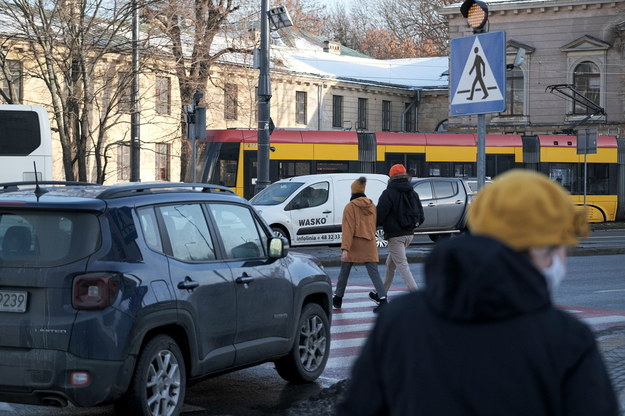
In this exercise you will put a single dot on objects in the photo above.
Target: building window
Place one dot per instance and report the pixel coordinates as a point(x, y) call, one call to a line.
point(11, 75)
point(515, 94)
point(123, 86)
point(300, 107)
point(231, 98)
point(337, 111)
point(163, 153)
point(163, 95)
point(386, 115)
point(587, 81)
point(410, 116)
point(123, 162)
point(362, 114)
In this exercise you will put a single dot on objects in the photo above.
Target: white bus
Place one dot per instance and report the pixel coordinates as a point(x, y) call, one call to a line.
point(25, 137)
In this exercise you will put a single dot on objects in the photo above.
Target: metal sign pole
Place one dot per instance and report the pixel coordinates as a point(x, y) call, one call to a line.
point(481, 150)
point(585, 175)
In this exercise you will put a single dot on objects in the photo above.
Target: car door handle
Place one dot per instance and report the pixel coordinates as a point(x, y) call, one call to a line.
point(245, 279)
point(431, 204)
point(188, 284)
point(326, 212)
point(459, 202)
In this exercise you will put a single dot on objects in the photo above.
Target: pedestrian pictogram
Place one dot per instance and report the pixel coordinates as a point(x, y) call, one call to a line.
point(478, 74)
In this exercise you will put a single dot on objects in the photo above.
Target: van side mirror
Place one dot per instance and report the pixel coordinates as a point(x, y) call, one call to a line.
point(278, 248)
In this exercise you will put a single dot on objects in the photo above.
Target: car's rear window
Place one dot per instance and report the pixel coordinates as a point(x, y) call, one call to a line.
point(35, 239)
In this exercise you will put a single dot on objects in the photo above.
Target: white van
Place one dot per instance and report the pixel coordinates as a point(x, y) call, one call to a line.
point(308, 210)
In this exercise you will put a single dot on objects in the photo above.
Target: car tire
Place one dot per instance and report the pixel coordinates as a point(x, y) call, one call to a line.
point(158, 385)
point(280, 232)
point(311, 348)
point(380, 240)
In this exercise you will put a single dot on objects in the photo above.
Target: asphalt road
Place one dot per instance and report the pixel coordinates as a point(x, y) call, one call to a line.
point(592, 282)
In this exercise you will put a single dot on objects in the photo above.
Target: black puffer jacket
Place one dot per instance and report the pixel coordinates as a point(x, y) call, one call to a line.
point(482, 338)
point(389, 202)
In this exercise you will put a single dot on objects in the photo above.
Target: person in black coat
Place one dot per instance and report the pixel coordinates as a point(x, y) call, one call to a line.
point(399, 212)
point(483, 337)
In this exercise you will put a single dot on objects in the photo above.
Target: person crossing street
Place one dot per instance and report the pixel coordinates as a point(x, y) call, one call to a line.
point(399, 212)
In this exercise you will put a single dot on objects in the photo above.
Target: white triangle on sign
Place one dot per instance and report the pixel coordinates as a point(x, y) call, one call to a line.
point(477, 76)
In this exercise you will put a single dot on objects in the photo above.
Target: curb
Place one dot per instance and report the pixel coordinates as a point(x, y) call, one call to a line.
point(419, 257)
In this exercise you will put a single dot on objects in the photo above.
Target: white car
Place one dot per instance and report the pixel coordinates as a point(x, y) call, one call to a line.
point(308, 210)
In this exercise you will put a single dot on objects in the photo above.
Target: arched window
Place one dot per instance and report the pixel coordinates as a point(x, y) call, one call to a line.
point(515, 94)
point(586, 81)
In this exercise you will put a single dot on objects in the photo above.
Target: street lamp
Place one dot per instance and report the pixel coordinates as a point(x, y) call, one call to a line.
point(279, 18)
point(135, 126)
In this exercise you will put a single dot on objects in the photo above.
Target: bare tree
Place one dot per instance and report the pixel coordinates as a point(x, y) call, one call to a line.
point(190, 27)
point(418, 20)
point(69, 45)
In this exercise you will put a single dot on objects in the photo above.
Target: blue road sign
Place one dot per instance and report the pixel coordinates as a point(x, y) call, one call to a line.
point(478, 74)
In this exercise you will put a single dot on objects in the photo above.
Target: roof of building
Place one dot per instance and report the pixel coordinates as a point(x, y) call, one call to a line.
point(306, 57)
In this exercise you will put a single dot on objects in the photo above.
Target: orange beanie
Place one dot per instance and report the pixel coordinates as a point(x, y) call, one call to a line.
point(397, 169)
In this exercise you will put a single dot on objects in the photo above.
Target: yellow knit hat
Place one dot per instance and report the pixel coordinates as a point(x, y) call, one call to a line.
point(358, 186)
point(525, 209)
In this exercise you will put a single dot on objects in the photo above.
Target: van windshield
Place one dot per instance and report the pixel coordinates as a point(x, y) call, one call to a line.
point(276, 193)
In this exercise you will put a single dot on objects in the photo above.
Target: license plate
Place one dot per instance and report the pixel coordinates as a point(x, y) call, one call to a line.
point(13, 301)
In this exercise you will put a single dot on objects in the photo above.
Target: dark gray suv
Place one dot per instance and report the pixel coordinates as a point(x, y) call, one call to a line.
point(129, 293)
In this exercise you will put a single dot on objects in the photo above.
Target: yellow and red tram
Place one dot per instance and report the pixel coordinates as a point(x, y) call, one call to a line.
point(229, 157)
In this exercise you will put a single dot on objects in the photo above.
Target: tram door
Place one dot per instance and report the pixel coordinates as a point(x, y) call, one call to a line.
point(414, 163)
point(250, 170)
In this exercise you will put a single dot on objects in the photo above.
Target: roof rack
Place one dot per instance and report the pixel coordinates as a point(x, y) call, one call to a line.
point(15, 186)
point(129, 189)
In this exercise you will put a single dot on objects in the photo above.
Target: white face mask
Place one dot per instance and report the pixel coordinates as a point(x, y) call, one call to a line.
point(555, 273)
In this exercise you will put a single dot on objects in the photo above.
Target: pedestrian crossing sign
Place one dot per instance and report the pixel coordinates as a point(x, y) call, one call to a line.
point(478, 74)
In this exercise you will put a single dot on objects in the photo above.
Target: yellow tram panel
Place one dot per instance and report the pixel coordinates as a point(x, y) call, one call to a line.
point(602, 156)
point(451, 154)
point(599, 208)
point(292, 151)
point(335, 152)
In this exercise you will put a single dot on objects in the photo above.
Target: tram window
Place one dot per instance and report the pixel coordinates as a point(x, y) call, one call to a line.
point(288, 169)
point(464, 170)
point(228, 172)
point(562, 173)
point(599, 179)
point(332, 167)
point(442, 169)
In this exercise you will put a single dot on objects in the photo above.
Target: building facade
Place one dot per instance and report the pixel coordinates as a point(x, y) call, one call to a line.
point(572, 76)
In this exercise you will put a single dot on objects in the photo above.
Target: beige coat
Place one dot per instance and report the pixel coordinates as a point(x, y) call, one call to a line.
point(359, 225)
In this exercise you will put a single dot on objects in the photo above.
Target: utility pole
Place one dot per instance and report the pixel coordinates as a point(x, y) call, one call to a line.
point(264, 96)
point(135, 159)
point(280, 18)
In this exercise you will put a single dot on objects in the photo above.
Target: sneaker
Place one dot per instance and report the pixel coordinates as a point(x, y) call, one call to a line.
point(382, 303)
point(337, 301)
point(374, 297)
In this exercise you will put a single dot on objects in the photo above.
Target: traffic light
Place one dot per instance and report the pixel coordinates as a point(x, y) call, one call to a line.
point(476, 13)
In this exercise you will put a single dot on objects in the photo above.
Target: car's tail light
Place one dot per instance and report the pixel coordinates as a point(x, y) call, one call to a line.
point(94, 291)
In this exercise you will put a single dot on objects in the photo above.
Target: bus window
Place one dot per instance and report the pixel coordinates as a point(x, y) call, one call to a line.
point(26, 138)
